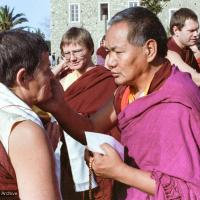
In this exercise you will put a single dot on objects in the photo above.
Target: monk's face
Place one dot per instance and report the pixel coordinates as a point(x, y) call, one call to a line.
point(40, 82)
point(77, 56)
point(188, 35)
point(127, 62)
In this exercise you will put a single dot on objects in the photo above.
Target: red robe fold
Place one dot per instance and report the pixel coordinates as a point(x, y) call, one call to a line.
point(8, 182)
point(90, 91)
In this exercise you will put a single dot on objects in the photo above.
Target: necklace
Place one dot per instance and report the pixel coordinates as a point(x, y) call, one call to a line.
point(91, 197)
point(90, 179)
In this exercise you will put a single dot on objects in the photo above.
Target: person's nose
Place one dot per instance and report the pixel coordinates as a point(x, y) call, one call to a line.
point(72, 57)
point(196, 33)
point(111, 62)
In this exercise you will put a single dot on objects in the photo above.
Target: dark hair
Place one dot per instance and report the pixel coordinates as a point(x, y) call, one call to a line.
point(19, 49)
point(103, 38)
point(179, 17)
point(79, 36)
point(143, 25)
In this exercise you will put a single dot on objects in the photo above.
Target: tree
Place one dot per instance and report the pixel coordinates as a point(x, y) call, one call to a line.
point(48, 44)
point(39, 32)
point(8, 20)
point(155, 6)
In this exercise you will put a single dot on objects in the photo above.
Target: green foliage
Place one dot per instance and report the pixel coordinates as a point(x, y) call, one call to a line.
point(8, 20)
point(39, 32)
point(49, 44)
point(155, 6)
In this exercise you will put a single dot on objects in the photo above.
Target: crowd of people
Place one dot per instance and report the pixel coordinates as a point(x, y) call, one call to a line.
point(143, 91)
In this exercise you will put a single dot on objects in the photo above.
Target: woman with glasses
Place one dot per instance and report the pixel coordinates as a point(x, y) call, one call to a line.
point(87, 87)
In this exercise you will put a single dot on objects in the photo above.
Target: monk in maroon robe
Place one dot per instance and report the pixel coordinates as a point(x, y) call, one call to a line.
point(87, 87)
point(184, 30)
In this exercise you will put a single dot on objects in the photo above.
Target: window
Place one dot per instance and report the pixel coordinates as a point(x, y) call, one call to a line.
point(103, 11)
point(133, 3)
point(74, 12)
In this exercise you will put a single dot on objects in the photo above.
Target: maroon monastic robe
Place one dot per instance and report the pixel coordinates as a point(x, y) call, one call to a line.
point(86, 95)
point(8, 181)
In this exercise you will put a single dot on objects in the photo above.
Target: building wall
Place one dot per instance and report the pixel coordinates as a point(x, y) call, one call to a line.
point(89, 17)
point(58, 23)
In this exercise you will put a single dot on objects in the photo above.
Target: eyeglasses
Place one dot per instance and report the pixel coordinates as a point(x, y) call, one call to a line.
point(77, 53)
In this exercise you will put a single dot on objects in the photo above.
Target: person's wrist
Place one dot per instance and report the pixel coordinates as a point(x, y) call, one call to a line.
point(119, 171)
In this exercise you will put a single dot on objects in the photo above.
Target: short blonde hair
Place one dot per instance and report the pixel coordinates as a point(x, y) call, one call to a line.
point(79, 36)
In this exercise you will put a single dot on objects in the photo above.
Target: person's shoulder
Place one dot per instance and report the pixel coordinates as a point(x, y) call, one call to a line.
point(169, 41)
point(182, 83)
point(101, 68)
point(181, 78)
point(102, 75)
point(8, 120)
point(172, 46)
point(28, 131)
point(30, 124)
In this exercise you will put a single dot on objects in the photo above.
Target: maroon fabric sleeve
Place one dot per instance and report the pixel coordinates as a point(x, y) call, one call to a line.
point(8, 182)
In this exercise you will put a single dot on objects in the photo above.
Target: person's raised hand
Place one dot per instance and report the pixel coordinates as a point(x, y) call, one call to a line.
point(62, 66)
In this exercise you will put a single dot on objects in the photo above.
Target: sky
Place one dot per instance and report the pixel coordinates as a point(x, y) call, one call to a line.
point(36, 11)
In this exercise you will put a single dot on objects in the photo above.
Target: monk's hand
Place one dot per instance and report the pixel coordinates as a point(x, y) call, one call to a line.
point(56, 101)
point(62, 66)
point(107, 165)
point(54, 132)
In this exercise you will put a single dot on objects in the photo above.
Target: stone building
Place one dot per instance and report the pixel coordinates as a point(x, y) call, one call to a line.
point(94, 15)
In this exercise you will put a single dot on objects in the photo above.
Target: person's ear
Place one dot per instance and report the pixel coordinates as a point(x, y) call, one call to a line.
point(150, 50)
point(21, 77)
point(175, 30)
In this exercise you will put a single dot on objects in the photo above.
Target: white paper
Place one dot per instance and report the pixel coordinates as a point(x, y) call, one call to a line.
point(94, 140)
